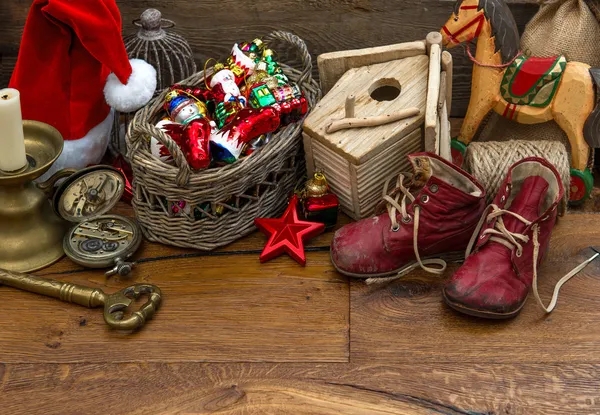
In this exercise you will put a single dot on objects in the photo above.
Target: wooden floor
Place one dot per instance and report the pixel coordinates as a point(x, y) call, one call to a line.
point(238, 337)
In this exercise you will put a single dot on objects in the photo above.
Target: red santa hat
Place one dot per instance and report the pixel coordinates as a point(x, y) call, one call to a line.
point(73, 65)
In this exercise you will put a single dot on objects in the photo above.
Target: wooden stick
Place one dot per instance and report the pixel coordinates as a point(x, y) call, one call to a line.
point(433, 38)
point(443, 91)
point(346, 123)
point(447, 67)
point(433, 93)
point(445, 139)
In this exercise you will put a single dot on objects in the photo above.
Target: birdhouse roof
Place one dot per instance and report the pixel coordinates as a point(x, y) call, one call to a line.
point(362, 144)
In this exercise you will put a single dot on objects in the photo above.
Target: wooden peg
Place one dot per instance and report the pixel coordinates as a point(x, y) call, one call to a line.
point(350, 106)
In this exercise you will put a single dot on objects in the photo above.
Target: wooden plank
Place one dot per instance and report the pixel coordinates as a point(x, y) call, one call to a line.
point(213, 26)
point(333, 65)
point(308, 154)
point(376, 388)
point(214, 309)
point(434, 47)
point(426, 330)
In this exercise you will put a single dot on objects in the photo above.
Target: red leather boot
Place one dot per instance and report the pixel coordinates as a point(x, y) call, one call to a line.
point(434, 212)
point(509, 244)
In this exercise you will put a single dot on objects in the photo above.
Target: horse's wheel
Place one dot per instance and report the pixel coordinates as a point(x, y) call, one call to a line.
point(581, 186)
point(458, 150)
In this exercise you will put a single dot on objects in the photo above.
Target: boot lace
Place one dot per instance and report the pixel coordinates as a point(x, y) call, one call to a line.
point(513, 240)
point(396, 202)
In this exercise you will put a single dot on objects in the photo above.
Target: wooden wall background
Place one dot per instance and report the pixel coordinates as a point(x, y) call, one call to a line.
point(212, 26)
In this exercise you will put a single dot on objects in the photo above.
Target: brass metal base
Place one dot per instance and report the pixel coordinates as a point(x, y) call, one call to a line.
point(31, 234)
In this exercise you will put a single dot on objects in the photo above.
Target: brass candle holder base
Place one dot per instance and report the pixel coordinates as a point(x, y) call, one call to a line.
point(31, 234)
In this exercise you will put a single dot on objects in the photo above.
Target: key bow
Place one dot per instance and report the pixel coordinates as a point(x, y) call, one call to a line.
point(116, 304)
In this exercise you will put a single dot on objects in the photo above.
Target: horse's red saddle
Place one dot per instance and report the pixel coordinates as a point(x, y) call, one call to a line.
point(532, 81)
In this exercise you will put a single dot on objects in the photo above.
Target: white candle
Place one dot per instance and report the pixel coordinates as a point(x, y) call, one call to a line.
point(12, 141)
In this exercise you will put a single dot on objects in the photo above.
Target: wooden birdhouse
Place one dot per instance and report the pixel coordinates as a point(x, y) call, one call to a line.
point(381, 104)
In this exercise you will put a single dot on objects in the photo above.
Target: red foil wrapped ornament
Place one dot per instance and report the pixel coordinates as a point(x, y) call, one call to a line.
point(248, 124)
point(287, 234)
point(196, 138)
point(193, 139)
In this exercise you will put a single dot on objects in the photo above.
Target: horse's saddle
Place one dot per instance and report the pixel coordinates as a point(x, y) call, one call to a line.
point(532, 81)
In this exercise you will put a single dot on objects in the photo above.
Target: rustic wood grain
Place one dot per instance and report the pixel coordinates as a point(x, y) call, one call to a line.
point(406, 353)
point(298, 389)
point(570, 334)
point(327, 26)
point(333, 65)
point(221, 306)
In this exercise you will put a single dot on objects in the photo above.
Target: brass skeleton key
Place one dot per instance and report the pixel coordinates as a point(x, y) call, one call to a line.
point(114, 304)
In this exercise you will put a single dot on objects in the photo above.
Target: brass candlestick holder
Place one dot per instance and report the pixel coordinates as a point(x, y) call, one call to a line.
point(31, 234)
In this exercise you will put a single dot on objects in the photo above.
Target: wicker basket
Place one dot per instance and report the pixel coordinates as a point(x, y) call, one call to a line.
point(220, 203)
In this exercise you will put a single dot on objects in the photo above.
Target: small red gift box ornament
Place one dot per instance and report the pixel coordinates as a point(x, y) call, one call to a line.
point(319, 204)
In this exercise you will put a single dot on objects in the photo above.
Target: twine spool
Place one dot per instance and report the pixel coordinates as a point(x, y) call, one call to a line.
point(489, 161)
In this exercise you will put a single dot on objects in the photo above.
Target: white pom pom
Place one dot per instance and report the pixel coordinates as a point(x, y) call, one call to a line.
point(138, 91)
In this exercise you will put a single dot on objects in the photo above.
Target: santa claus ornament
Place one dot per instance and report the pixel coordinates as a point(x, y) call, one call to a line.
point(85, 72)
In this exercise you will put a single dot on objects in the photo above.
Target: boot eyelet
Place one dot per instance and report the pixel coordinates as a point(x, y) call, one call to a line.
point(433, 188)
point(519, 254)
point(406, 219)
point(482, 236)
point(502, 199)
point(395, 228)
point(424, 199)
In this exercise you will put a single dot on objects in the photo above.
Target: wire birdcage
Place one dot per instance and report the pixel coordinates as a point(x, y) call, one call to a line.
point(168, 52)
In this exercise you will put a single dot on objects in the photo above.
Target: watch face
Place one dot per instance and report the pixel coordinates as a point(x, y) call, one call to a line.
point(99, 241)
point(89, 193)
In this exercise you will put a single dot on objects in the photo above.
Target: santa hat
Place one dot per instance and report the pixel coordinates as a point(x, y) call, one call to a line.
point(72, 65)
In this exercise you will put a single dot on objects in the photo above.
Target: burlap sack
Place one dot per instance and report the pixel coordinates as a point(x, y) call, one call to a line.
point(566, 27)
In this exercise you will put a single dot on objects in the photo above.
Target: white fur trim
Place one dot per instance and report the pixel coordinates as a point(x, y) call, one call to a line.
point(89, 149)
point(138, 91)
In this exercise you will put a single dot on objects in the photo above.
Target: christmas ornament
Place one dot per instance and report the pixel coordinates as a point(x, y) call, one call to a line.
point(237, 130)
point(318, 203)
point(157, 149)
point(223, 85)
point(193, 139)
point(78, 44)
point(196, 138)
point(287, 234)
point(183, 108)
point(249, 123)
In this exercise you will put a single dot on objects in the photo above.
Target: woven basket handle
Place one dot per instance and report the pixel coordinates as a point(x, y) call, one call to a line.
point(140, 130)
point(306, 73)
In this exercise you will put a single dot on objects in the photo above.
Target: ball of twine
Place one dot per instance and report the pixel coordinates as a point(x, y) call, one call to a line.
point(489, 161)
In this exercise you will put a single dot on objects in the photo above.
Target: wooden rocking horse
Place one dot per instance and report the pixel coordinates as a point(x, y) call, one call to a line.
point(527, 90)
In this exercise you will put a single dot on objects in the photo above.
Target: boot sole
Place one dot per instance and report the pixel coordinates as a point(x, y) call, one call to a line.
point(458, 256)
point(482, 314)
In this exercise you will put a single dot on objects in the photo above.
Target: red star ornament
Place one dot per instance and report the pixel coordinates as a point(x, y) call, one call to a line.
point(287, 234)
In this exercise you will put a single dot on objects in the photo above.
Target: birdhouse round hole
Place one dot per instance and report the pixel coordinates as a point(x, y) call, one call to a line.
point(386, 89)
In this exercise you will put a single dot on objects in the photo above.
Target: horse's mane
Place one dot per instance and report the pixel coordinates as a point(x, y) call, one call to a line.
point(504, 27)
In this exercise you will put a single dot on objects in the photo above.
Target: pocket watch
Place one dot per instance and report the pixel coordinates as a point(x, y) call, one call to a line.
point(98, 239)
